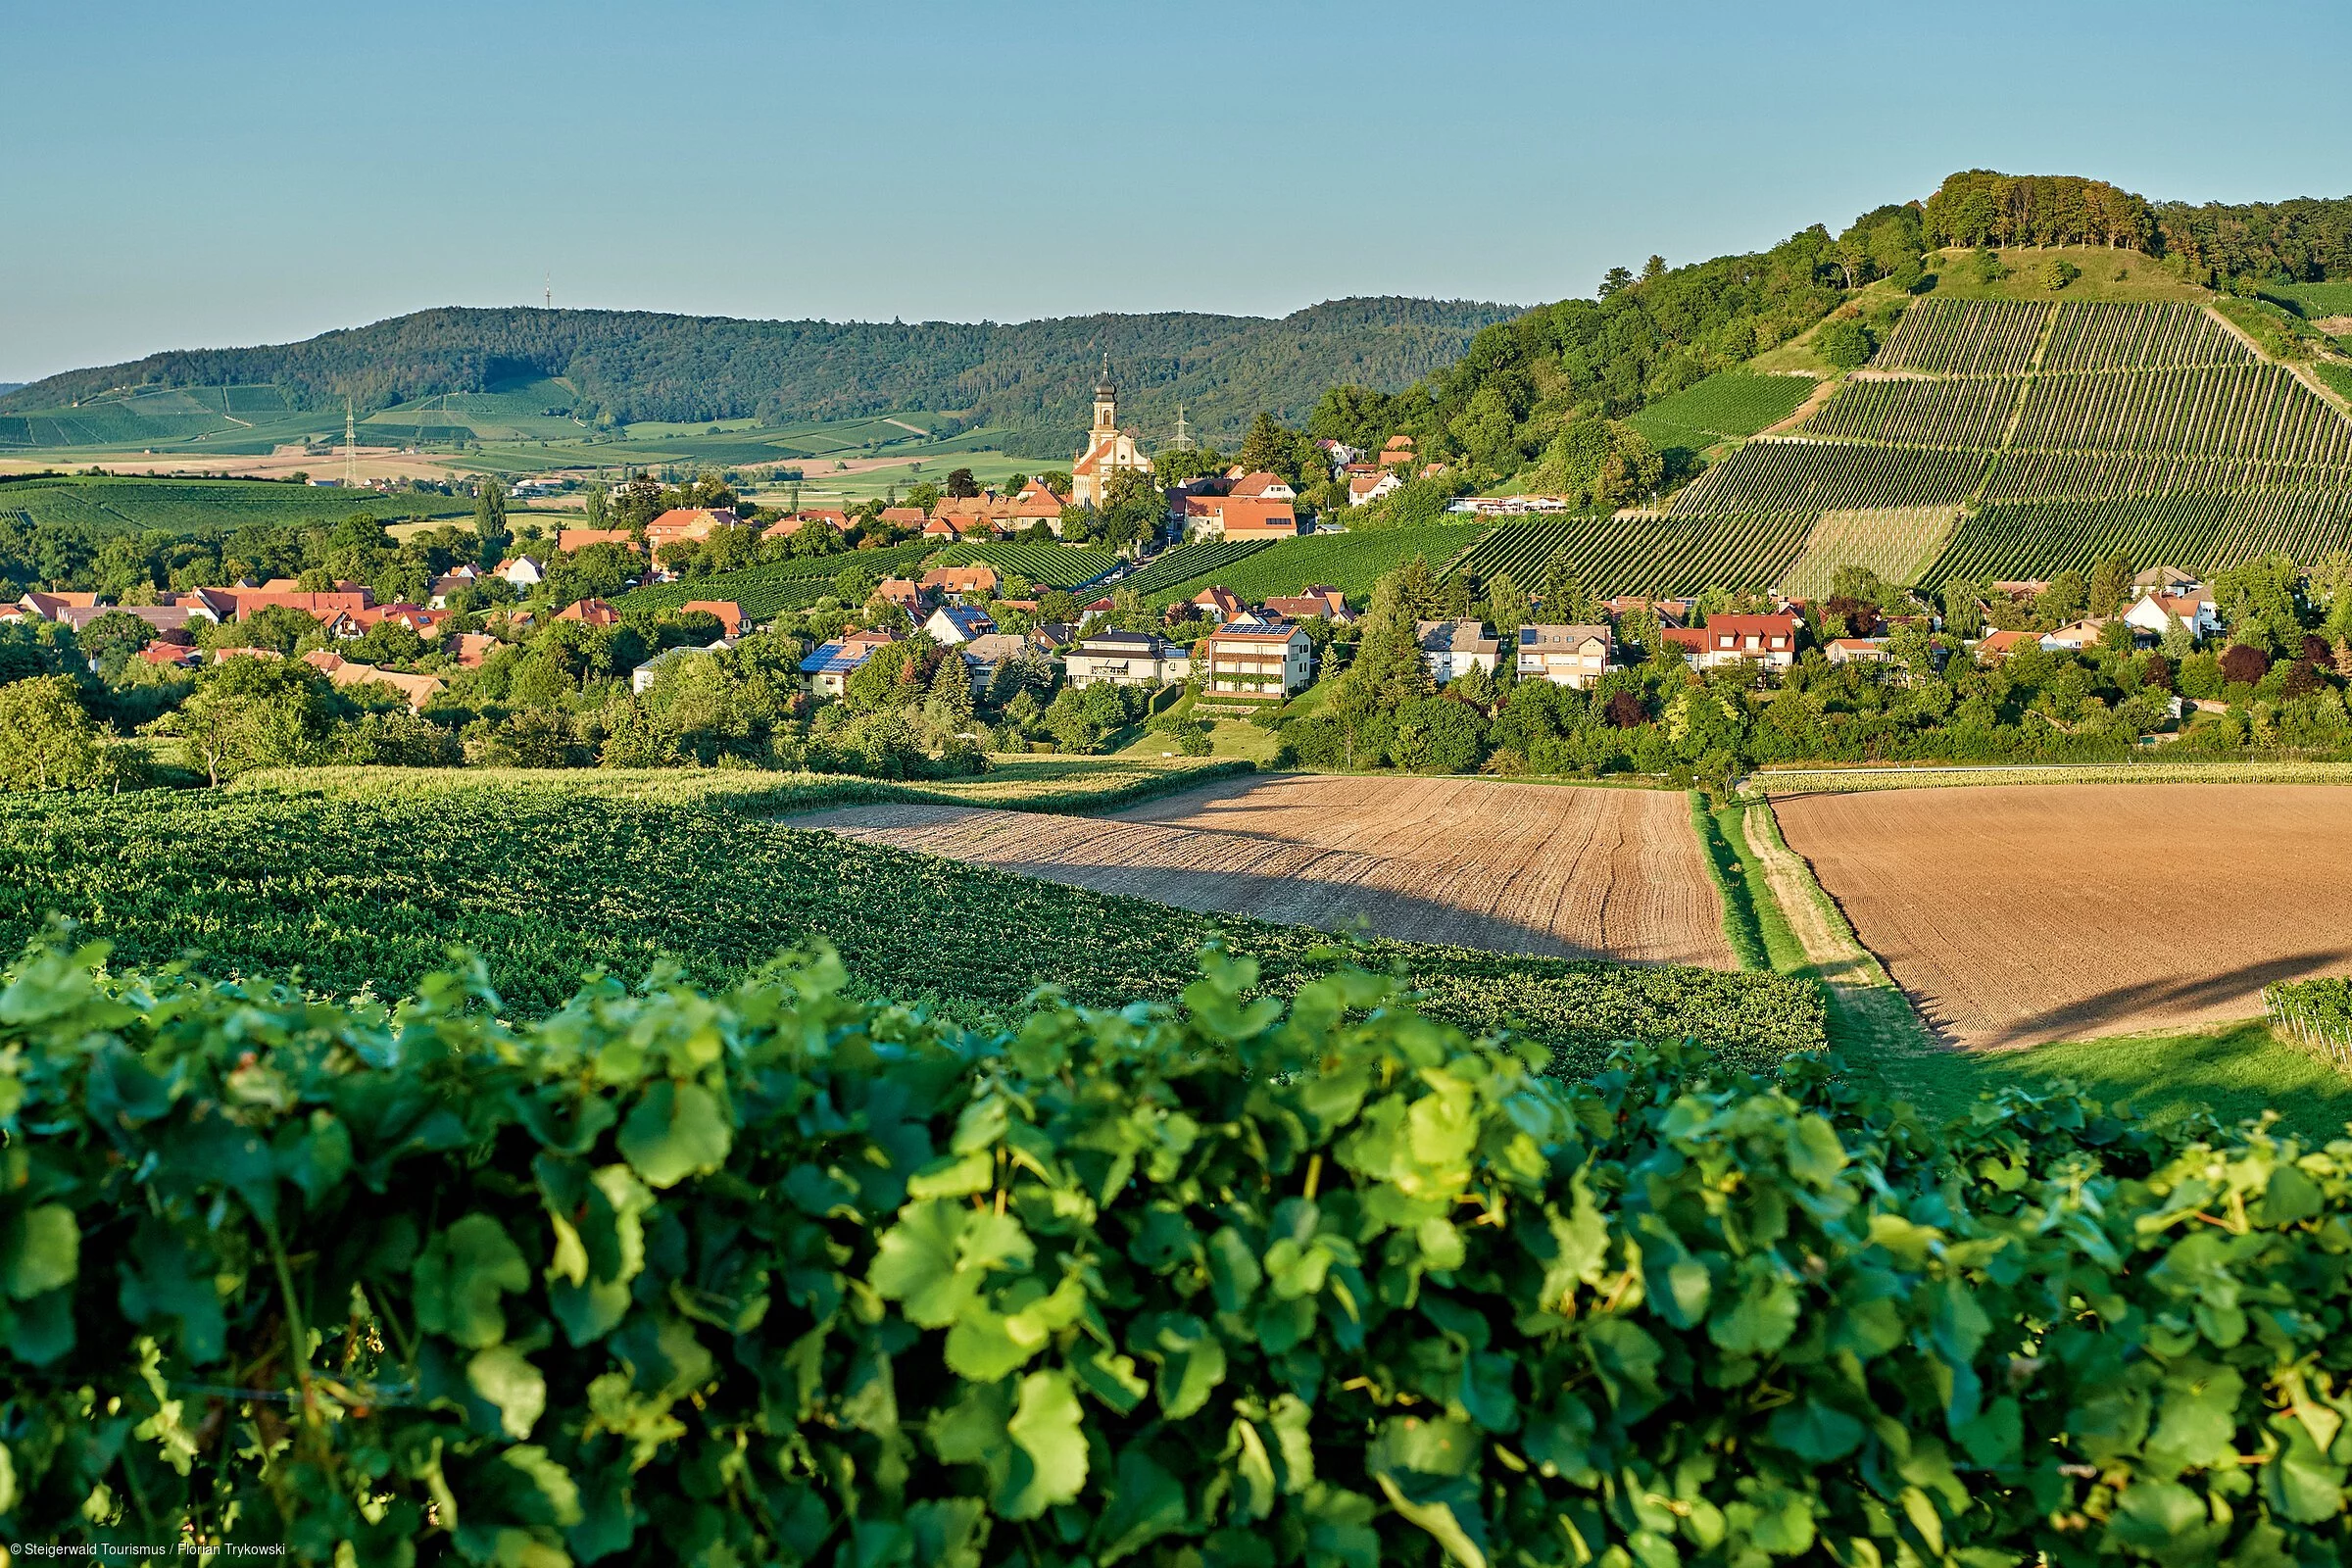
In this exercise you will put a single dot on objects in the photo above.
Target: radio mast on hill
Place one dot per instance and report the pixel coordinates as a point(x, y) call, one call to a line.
point(351, 447)
point(547, 290)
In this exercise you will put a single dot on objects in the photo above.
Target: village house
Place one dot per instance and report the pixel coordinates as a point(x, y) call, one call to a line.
point(731, 619)
point(2150, 614)
point(1108, 449)
point(1398, 453)
point(985, 655)
point(1857, 651)
point(1221, 604)
point(1314, 601)
point(1452, 648)
point(473, 649)
point(1262, 486)
point(524, 572)
point(950, 625)
point(590, 612)
point(975, 581)
point(827, 668)
point(1995, 646)
point(685, 524)
point(2161, 580)
point(643, 675)
point(2074, 636)
point(1124, 659)
point(1767, 640)
point(903, 592)
point(342, 673)
point(1256, 660)
point(1235, 516)
point(1365, 488)
point(1565, 656)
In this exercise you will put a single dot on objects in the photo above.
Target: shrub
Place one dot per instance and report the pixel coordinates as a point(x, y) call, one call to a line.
point(2243, 665)
point(1846, 344)
point(781, 1276)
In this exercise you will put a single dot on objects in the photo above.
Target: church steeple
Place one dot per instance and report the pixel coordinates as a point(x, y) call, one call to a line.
point(1107, 400)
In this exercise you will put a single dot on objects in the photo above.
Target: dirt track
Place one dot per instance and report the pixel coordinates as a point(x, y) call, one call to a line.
point(2022, 913)
point(1508, 868)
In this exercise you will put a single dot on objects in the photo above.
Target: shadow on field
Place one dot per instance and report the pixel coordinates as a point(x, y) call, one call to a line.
point(2241, 986)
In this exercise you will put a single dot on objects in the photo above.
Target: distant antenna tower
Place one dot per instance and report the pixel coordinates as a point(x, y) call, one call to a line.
point(547, 290)
point(351, 447)
point(1184, 441)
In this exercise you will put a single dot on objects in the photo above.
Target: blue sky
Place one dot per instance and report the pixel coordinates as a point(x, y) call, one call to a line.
point(195, 175)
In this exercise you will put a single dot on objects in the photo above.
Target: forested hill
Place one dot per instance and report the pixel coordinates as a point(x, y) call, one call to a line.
point(1038, 376)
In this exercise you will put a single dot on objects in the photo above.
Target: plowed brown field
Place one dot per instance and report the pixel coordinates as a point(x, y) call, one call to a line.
point(1509, 867)
point(2022, 913)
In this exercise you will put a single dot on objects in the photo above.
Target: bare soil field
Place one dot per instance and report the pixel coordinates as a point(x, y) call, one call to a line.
point(2066, 911)
point(1533, 868)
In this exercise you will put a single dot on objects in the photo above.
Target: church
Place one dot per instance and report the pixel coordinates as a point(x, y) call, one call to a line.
point(1109, 448)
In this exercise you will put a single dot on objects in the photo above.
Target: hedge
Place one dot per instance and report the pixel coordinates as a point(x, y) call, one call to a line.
point(781, 1276)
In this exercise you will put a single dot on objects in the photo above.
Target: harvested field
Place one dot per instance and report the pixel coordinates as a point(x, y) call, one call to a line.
point(2066, 911)
point(1565, 872)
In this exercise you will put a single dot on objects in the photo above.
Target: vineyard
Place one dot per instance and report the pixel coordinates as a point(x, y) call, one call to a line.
point(2139, 337)
point(2200, 533)
point(1900, 546)
point(1352, 562)
point(1643, 553)
point(794, 584)
point(1913, 411)
point(208, 506)
point(1964, 337)
point(216, 416)
point(1811, 476)
point(1185, 563)
point(1730, 405)
point(2251, 411)
point(1045, 566)
point(2100, 475)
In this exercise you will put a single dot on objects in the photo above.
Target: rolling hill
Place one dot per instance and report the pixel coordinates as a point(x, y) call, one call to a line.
point(548, 371)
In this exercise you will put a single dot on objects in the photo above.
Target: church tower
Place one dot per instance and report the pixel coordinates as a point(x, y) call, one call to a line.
point(1106, 401)
point(1108, 449)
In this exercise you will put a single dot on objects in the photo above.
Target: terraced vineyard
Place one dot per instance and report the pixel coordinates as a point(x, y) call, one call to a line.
point(1644, 554)
point(2096, 336)
point(2250, 411)
point(1964, 337)
point(1187, 563)
point(2201, 533)
point(1046, 565)
point(1915, 412)
point(121, 506)
point(1898, 545)
point(1812, 476)
point(2080, 428)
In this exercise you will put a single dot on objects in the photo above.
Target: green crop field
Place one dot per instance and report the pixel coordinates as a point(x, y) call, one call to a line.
point(794, 584)
point(1732, 403)
point(545, 882)
point(1642, 552)
point(1045, 566)
point(2313, 300)
point(1352, 562)
point(110, 505)
point(1190, 567)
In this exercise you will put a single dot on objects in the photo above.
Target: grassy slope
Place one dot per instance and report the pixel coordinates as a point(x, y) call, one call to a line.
point(355, 881)
point(1351, 563)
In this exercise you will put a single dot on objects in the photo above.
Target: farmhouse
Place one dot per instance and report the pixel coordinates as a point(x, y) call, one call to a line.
point(1108, 449)
point(1566, 656)
point(1768, 640)
point(1124, 659)
point(1258, 661)
point(1452, 648)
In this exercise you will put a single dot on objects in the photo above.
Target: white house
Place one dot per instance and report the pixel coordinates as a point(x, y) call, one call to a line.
point(1253, 660)
point(950, 625)
point(1365, 488)
point(1565, 656)
point(2149, 613)
point(1452, 648)
point(1124, 659)
point(524, 572)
